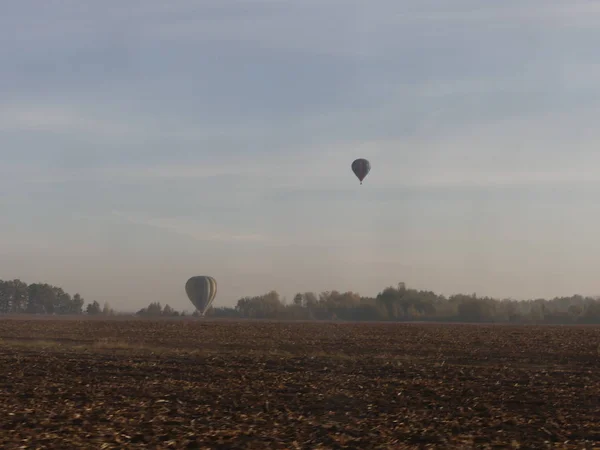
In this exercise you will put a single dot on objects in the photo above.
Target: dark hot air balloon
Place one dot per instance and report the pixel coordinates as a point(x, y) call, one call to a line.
point(361, 168)
point(201, 291)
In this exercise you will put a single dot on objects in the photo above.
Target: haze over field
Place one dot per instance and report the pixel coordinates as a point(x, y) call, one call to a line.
point(142, 143)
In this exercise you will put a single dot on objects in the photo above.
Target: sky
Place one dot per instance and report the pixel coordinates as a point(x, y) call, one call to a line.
point(145, 142)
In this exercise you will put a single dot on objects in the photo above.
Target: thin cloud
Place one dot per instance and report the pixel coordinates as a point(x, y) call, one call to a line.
point(91, 122)
point(56, 119)
point(516, 151)
point(193, 229)
point(282, 26)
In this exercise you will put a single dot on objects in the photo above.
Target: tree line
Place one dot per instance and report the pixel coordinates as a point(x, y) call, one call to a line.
point(18, 297)
point(394, 303)
point(399, 303)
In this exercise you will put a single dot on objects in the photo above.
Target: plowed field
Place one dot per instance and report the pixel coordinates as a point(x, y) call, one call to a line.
point(200, 384)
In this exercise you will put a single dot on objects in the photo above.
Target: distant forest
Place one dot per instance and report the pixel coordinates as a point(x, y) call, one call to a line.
point(392, 304)
point(17, 297)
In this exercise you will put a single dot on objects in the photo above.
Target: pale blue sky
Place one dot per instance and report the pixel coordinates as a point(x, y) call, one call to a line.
point(143, 142)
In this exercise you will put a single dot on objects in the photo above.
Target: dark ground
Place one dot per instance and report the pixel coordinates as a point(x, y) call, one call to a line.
point(199, 384)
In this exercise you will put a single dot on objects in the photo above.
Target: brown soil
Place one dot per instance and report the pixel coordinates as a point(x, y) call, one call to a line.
point(223, 385)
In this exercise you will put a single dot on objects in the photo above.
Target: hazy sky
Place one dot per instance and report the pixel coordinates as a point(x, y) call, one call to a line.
point(143, 142)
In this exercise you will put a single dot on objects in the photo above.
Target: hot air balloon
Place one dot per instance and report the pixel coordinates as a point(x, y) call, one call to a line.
point(361, 167)
point(201, 291)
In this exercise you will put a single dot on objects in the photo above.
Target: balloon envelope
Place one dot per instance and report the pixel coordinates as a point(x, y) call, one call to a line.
point(201, 291)
point(361, 168)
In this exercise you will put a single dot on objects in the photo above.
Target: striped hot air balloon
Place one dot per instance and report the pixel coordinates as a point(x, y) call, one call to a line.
point(361, 168)
point(201, 291)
